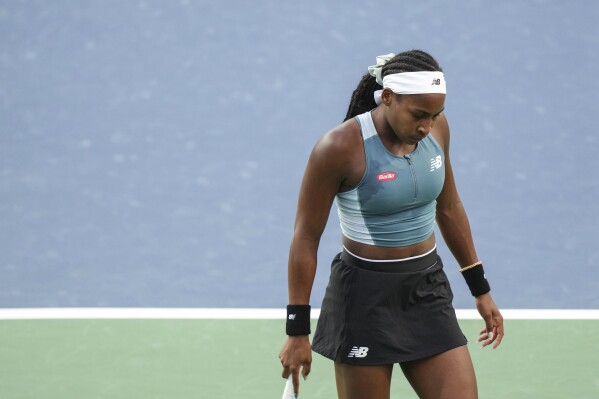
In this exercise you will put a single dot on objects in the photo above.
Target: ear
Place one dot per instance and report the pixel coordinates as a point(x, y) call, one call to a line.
point(387, 96)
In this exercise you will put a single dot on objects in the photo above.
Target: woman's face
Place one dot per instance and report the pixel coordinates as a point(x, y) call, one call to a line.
point(412, 116)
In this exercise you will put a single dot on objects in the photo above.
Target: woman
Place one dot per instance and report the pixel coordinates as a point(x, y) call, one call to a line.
point(388, 301)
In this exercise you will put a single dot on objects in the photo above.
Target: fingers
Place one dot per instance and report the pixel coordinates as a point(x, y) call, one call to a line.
point(295, 380)
point(497, 322)
point(493, 333)
point(288, 370)
point(487, 337)
point(294, 373)
point(499, 329)
point(307, 367)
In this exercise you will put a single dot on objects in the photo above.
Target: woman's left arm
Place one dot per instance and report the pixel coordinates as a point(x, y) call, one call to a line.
point(455, 229)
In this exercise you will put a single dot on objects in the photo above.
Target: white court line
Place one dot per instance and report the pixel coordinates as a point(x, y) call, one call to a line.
point(255, 313)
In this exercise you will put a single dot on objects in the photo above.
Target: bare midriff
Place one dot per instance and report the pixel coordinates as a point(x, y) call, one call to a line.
point(380, 253)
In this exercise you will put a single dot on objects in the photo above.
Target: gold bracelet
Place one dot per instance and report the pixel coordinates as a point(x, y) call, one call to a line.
point(463, 269)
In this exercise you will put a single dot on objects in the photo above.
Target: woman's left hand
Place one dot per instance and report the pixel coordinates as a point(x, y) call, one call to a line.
point(493, 332)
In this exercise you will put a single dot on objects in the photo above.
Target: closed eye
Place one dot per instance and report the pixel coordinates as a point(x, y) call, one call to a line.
point(422, 115)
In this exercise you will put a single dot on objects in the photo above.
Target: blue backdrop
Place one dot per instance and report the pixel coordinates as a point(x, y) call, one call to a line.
point(151, 151)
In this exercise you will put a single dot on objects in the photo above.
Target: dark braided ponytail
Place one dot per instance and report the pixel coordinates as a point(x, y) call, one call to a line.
point(362, 99)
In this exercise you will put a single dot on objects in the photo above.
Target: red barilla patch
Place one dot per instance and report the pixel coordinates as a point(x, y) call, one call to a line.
point(386, 176)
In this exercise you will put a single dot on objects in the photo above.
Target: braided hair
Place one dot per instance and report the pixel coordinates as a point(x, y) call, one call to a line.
point(362, 99)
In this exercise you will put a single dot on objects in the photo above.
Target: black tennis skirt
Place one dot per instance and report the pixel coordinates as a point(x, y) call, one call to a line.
point(376, 313)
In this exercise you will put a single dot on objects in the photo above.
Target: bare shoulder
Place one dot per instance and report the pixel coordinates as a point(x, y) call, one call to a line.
point(338, 156)
point(341, 139)
point(339, 146)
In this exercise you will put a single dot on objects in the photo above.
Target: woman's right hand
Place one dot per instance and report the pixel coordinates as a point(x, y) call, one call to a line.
point(296, 356)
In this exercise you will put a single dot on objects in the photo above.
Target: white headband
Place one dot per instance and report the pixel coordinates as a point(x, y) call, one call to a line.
point(422, 82)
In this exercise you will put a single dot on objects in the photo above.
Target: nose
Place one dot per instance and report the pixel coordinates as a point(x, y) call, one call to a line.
point(425, 126)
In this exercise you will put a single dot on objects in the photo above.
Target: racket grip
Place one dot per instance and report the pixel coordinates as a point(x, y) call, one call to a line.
point(288, 392)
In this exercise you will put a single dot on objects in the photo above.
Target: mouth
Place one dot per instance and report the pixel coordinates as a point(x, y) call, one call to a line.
point(418, 137)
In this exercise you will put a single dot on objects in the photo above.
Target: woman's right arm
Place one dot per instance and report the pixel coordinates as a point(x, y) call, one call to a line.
point(324, 175)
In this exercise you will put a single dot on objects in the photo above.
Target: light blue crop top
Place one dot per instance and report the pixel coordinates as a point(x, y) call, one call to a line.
point(394, 204)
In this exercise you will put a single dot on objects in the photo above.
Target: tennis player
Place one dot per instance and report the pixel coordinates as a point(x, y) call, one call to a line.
point(388, 300)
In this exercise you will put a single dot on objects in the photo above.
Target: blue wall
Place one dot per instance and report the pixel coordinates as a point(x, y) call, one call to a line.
point(151, 151)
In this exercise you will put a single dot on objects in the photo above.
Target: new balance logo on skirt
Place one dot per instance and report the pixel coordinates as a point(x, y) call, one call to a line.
point(362, 351)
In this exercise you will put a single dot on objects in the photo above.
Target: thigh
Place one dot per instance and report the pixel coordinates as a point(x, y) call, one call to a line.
point(447, 375)
point(359, 382)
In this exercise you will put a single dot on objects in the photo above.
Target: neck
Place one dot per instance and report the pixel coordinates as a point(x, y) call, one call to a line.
point(388, 136)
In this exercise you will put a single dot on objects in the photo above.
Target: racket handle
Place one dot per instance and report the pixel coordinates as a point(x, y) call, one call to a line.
point(288, 392)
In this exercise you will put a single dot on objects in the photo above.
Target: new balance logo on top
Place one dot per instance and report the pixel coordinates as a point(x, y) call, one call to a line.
point(436, 162)
point(361, 351)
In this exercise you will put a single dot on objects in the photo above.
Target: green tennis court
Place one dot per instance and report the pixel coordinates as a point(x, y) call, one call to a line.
point(207, 358)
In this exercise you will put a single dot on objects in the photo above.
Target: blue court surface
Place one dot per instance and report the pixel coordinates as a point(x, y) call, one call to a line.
point(151, 154)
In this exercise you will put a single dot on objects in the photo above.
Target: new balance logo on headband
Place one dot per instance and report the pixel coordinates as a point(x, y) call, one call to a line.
point(361, 351)
point(436, 82)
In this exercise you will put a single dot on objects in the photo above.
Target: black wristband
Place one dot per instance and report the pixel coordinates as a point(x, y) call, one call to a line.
point(476, 280)
point(298, 320)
